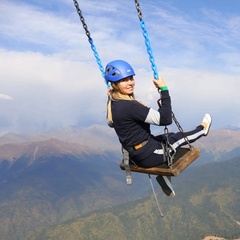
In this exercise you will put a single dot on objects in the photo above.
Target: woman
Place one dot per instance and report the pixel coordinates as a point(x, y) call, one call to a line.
point(131, 119)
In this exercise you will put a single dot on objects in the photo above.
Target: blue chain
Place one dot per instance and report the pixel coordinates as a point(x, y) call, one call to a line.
point(147, 41)
point(98, 60)
point(90, 40)
point(144, 31)
point(149, 49)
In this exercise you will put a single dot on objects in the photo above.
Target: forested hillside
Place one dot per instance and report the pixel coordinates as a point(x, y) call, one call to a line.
point(50, 178)
point(207, 203)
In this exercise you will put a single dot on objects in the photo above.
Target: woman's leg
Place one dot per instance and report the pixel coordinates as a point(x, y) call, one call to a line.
point(177, 140)
point(156, 158)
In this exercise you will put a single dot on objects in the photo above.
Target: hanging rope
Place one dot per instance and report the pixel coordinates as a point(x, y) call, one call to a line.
point(90, 40)
point(147, 41)
point(155, 195)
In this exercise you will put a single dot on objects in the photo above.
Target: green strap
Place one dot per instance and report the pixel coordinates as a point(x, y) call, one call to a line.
point(165, 88)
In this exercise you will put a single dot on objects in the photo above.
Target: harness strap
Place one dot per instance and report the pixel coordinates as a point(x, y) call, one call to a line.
point(126, 166)
point(137, 146)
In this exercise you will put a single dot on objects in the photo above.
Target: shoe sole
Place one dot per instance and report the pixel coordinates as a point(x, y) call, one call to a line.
point(166, 185)
point(208, 127)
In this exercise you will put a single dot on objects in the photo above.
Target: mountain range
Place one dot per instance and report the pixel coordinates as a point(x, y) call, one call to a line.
point(104, 138)
point(50, 178)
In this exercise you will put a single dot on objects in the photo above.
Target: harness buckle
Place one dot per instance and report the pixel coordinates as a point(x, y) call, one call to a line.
point(138, 146)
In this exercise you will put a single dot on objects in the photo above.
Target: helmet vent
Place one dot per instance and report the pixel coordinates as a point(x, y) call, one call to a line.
point(109, 70)
point(116, 73)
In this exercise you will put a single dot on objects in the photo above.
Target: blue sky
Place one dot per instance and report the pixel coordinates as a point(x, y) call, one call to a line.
point(49, 77)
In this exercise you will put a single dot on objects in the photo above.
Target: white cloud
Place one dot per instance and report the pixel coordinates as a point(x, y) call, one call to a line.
point(5, 97)
point(48, 67)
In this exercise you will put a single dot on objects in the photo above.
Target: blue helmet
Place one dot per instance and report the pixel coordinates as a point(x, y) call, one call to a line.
point(117, 70)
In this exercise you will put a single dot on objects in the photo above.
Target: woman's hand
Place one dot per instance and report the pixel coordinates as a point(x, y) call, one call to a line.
point(159, 83)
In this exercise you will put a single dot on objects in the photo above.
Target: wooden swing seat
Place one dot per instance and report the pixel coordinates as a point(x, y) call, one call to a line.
point(182, 159)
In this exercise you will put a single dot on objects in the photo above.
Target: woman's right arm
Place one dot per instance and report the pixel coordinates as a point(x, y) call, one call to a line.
point(163, 116)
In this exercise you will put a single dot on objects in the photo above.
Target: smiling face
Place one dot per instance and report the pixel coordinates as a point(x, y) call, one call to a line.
point(126, 85)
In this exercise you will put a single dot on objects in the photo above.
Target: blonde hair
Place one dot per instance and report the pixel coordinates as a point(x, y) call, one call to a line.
point(115, 94)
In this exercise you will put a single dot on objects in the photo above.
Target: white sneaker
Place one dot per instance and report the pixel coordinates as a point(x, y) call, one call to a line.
point(207, 119)
point(165, 183)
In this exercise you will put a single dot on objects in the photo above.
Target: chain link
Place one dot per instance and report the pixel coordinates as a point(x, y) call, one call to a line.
point(167, 147)
point(181, 130)
point(82, 19)
point(138, 9)
point(147, 41)
point(90, 40)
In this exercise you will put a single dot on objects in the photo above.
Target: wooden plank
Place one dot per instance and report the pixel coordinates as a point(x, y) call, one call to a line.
point(183, 158)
